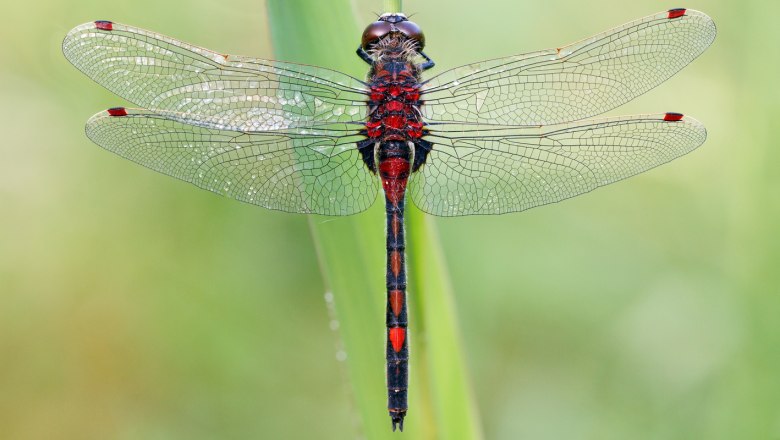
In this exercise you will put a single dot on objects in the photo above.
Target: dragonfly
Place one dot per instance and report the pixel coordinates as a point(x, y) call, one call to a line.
point(491, 137)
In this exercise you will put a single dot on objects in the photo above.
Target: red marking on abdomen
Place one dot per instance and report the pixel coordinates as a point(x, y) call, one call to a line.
point(672, 117)
point(394, 172)
point(397, 335)
point(395, 225)
point(394, 189)
point(117, 111)
point(104, 25)
point(676, 13)
point(396, 301)
point(395, 263)
point(394, 167)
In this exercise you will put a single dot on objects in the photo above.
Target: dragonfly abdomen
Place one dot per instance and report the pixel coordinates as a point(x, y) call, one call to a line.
point(394, 168)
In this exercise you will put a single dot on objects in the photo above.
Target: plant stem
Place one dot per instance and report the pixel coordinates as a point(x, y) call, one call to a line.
point(434, 326)
point(351, 252)
point(394, 6)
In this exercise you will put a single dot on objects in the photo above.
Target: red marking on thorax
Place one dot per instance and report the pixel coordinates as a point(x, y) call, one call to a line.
point(397, 335)
point(374, 128)
point(672, 117)
point(104, 25)
point(396, 122)
point(394, 106)
point(396, 301)
point(377, 94)
point(414, 129)
point(676, 13)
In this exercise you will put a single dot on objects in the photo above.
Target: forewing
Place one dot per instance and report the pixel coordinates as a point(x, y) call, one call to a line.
point(206, 88)
point(577, 81)
point(319, 171)
point(483, 169)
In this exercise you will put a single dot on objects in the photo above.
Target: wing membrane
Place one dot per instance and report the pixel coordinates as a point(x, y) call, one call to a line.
point(577, 81)
point(319, 171)
point(206, 88)
point(484, 169)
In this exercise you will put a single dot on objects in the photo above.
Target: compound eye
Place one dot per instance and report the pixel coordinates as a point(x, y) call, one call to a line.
point(411, 30)
point(375, 32)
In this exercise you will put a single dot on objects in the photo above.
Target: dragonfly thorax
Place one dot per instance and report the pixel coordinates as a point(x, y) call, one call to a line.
point(395, 47)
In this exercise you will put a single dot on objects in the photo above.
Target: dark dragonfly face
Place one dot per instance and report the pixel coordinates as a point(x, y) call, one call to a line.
point(393, 24)
point(491, 137)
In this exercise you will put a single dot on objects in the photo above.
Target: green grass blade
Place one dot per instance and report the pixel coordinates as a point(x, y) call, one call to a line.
point(394, 5)
point(434, 326)
point(351, 251)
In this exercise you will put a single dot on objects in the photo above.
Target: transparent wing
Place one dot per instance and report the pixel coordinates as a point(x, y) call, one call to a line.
point(206, 88)
point(484, 169)
point(577, 81)
point(319, 171)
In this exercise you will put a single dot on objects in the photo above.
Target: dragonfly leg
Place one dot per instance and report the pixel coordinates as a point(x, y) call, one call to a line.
point(365, 56)
point(428, 62)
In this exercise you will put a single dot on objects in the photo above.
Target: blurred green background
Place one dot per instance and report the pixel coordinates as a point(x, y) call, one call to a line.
point(134, 306)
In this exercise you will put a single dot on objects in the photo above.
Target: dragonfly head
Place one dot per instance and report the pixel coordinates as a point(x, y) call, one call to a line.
point(393, 25)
